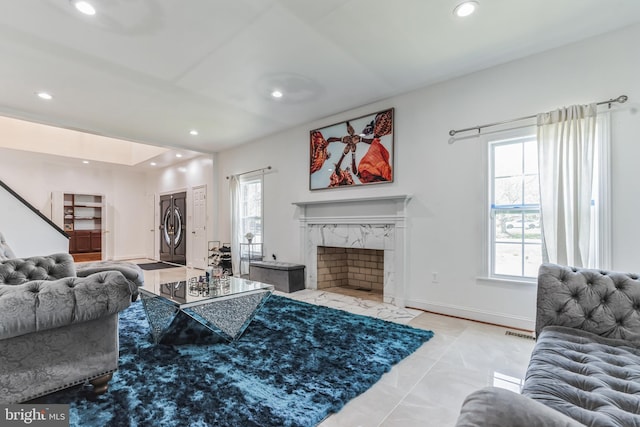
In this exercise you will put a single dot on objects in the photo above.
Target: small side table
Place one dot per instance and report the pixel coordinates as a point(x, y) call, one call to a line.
point(249, 252)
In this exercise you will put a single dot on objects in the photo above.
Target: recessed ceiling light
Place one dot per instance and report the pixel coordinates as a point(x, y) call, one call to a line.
point(84, 7)
point(465, 9)
point(277, 93)
point(44, 95)
point(178, 155)
point(193, 132)
point(86, 162)
point(153, 163)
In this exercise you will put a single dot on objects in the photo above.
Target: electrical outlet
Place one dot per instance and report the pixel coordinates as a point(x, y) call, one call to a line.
point(434, 277)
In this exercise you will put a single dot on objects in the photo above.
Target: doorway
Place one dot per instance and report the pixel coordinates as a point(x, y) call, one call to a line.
point(173, 228)
point(198, 252)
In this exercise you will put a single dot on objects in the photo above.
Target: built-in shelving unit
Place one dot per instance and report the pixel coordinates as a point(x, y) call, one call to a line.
point(83, 222)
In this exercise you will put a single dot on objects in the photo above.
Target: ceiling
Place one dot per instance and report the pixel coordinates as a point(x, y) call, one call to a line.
point(152, 70)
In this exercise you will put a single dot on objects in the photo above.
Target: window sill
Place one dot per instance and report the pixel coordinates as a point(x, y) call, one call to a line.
point(496, 280)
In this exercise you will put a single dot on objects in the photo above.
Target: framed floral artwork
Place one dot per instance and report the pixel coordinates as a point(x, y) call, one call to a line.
point(352, 153)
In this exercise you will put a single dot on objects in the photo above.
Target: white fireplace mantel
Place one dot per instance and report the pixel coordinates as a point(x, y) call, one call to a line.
point(401, 197)
point(368, 223)
point(365, 210)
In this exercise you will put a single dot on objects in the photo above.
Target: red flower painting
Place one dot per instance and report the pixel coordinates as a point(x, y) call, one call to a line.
point(363, 157)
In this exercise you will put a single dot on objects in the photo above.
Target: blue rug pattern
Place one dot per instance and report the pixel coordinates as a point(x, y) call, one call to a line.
point(295, 364)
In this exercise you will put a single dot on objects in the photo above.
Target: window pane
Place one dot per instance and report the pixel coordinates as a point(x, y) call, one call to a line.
point(532, 228)
point(531, 157)
point(532, 260)
point(531, 190)
point(507, 160)
point(515, 217)
point(508, 191)
point(251, 209)
point(508, 227)
point(508, 259)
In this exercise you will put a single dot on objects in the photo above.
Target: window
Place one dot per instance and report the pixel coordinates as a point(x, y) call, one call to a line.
point(514, 228)
point(515, 236)
point(251, 208)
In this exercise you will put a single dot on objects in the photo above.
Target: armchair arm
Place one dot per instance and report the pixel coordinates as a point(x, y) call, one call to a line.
point(131, 271)
point(497, 407)
point(41, 304)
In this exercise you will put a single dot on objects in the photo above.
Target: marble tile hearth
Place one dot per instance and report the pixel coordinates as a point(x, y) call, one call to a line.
point(377, 223)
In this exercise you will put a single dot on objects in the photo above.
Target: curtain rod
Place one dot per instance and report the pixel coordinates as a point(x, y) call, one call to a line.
point(255, 170)
point(621, 99)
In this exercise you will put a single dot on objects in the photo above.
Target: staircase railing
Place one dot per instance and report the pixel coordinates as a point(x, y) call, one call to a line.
point(32, 208)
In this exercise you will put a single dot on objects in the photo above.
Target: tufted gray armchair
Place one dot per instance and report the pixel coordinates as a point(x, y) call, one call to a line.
point(585, 366)
point(605, 303)
point(57, 329)
point(586, 362)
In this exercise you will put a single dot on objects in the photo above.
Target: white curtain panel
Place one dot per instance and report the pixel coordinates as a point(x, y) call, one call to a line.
point(566, 144)
point(234, 188)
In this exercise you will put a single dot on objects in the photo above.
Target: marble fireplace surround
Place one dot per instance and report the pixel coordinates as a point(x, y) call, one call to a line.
point(367, 223)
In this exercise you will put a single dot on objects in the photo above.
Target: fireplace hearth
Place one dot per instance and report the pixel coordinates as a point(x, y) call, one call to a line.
point(357, 268)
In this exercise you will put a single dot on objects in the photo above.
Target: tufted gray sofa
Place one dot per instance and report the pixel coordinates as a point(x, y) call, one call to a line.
point(585, 365)
point(57, 329)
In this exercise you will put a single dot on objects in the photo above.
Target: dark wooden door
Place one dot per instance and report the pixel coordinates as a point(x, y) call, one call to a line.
point(173, 228)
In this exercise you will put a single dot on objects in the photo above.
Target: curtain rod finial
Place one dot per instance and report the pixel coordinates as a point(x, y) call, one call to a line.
point(452, 132)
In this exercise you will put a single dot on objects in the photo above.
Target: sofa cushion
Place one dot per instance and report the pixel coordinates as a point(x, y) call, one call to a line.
point(41, 304)
point(20, 270)
point(592, 379)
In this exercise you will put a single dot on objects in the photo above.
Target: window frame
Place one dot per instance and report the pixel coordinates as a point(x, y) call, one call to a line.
point(602, 217)
point(244, 181)
point(502, 138)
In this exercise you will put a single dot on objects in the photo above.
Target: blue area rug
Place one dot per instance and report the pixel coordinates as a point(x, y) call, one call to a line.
point(295, 364)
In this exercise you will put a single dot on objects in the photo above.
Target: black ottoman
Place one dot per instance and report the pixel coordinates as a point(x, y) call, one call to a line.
point(284, 276)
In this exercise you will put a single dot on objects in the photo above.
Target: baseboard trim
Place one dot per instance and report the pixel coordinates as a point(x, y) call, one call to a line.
point(129, 257)
point(506, 320)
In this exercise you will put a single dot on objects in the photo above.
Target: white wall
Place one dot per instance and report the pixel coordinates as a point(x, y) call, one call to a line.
point(184, 177)
point(29, 237)
point(448, 181)
point(35, 176)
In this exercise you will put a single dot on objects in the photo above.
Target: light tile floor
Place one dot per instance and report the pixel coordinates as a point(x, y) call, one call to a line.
point(428, 387)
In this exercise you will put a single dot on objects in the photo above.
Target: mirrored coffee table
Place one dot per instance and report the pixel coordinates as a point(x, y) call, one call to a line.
point(226, 309)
